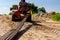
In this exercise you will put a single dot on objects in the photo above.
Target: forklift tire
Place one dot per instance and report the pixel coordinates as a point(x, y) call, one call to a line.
point(13, 17)
point(29, 19)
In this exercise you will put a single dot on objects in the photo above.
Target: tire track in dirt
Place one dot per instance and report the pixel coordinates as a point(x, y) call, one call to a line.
point(49, 31)
point(41, 32)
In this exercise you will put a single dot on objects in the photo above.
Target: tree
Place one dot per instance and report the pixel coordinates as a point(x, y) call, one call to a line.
point(34, 8)
point(10, 13)
point(13, 7)
point(42, 9)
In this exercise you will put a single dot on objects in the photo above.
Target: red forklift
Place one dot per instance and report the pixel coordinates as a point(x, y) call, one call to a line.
point(20, 11)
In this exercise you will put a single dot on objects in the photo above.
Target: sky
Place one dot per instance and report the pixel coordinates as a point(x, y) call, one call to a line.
point(50, 5)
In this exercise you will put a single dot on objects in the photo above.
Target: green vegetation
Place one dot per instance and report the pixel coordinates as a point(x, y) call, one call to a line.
point(56, 17)
point(13, 7)
point(34, 8)
point(42, 9)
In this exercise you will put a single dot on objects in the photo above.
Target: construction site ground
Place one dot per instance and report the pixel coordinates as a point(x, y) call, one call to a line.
point(46, 30)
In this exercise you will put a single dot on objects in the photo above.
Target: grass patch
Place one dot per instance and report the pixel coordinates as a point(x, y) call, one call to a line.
point(56, 17)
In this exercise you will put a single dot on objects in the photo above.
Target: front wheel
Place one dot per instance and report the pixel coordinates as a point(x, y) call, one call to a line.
point(14, 17)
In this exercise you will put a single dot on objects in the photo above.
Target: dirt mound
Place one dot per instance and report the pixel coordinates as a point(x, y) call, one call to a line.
point(46, 15)
point(43, 31)
point(6, 24)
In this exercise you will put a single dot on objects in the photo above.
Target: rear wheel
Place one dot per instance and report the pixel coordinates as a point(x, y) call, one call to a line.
point(29, 19)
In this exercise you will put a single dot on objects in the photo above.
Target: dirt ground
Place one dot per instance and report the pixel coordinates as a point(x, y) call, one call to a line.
point(45, 30)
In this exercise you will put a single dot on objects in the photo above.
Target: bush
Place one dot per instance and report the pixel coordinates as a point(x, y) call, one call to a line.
point(56, 17)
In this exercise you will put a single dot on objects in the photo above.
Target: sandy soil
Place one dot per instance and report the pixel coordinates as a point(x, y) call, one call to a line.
point(6, 24)
point(46, 30)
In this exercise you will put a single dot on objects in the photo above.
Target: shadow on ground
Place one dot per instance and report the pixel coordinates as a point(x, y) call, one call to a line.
point(19, 34)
